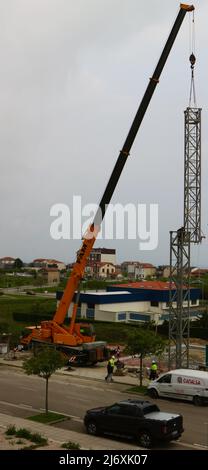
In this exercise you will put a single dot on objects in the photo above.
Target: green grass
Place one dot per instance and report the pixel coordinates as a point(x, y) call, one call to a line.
point(137, 389)
point(48, 418)
point(24, 304)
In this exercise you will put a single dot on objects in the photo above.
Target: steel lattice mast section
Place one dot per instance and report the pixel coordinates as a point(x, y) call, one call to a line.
point(179, 298)
point(180, 241)
point(192, 174)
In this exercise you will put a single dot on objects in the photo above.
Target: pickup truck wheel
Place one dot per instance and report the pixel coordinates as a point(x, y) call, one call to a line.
point(145, 439)
point(153, 393)
point(197, 401)
point(92, 428)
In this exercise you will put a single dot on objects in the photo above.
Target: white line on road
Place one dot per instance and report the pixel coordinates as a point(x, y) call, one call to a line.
point(16, 405)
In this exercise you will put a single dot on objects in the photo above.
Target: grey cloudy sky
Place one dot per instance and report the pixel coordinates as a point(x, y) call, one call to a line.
point(72, 76)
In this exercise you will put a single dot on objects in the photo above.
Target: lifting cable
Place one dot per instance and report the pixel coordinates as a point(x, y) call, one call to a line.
point(192, 60)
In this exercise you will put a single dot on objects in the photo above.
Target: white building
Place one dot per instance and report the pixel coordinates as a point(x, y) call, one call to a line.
point(132, 303)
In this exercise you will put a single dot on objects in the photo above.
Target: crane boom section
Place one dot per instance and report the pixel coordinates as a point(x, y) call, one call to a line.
point(87, 245)
point(76, 274)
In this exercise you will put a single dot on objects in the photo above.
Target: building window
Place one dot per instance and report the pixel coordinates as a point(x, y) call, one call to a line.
point(121, 316)
point(138, 316)
point(194, 302)
point(90, 313)
point(153, 303)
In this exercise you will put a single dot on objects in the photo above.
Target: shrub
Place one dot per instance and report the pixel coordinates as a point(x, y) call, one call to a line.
point(24, 433)
point(70, 445)
point(38, 439)
point(11, 431)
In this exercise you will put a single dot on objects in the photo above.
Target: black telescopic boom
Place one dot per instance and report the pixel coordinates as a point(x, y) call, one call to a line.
point(123, 155)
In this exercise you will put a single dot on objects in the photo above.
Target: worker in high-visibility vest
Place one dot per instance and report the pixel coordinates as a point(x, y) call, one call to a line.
point(110, 367)
point(153, 371)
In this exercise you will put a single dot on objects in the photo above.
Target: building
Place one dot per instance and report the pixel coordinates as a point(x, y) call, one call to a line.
point(137, 270)
point(101, 263)
point(143, 270)
point(105, 270)
point(7, 262)
point(135, 302)
point(102, 255)
point(51, 275)
point(199, 272)
point(48, 263)
point(128, 268)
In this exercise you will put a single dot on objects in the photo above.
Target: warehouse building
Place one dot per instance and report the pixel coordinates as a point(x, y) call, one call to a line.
point(131, 303)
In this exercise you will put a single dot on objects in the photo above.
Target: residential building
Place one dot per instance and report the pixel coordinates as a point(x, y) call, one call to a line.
point(101, 263)
point(7, 262)
point(199, 272)
point(105, 270)
point(137, 270)
point(47, 263)
point(102, 255)
point(51, 275)
point(144, 270)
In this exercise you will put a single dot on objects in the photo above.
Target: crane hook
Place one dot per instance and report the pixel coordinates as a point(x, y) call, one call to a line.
point(192, 59)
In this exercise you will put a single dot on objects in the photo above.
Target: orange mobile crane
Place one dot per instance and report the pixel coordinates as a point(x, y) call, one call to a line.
point(78, 339)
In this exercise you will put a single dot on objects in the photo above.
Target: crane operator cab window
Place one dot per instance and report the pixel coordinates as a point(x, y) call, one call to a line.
point(87, 330)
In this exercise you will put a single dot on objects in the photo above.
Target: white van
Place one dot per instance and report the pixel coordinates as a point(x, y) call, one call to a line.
point(184, 384)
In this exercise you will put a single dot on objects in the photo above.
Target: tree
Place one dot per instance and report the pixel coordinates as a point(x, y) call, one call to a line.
point(18, 263)
point(44, 364)
point(143, 342)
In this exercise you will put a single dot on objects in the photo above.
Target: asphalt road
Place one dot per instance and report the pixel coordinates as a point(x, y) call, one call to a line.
point(21, 395)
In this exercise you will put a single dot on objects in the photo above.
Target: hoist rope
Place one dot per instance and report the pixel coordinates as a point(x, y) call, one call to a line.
point(192, 60)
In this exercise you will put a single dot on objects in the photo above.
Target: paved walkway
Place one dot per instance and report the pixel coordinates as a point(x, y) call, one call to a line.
point(97, 372)
point(59, 436)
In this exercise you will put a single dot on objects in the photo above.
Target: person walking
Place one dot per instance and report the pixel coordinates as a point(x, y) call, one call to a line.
point(110, 367)
point(153, 371)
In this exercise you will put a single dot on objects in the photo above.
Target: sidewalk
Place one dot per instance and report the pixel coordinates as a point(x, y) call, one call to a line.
point(58, 436)
point(97, 372)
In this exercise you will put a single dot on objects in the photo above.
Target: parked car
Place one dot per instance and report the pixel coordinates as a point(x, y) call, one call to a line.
point(30, 292)
point(139, 419)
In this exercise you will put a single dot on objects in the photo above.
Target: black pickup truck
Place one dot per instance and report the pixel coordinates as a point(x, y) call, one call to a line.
point(142, 420)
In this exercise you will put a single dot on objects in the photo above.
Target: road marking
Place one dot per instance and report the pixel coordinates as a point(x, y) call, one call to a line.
point(183, 444)
point(201, 445)
point(25, 406)
point(20, 405)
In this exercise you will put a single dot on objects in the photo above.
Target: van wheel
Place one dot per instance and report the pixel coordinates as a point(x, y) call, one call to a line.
point(153, 393)
point(197, 401)
point(145, 439)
